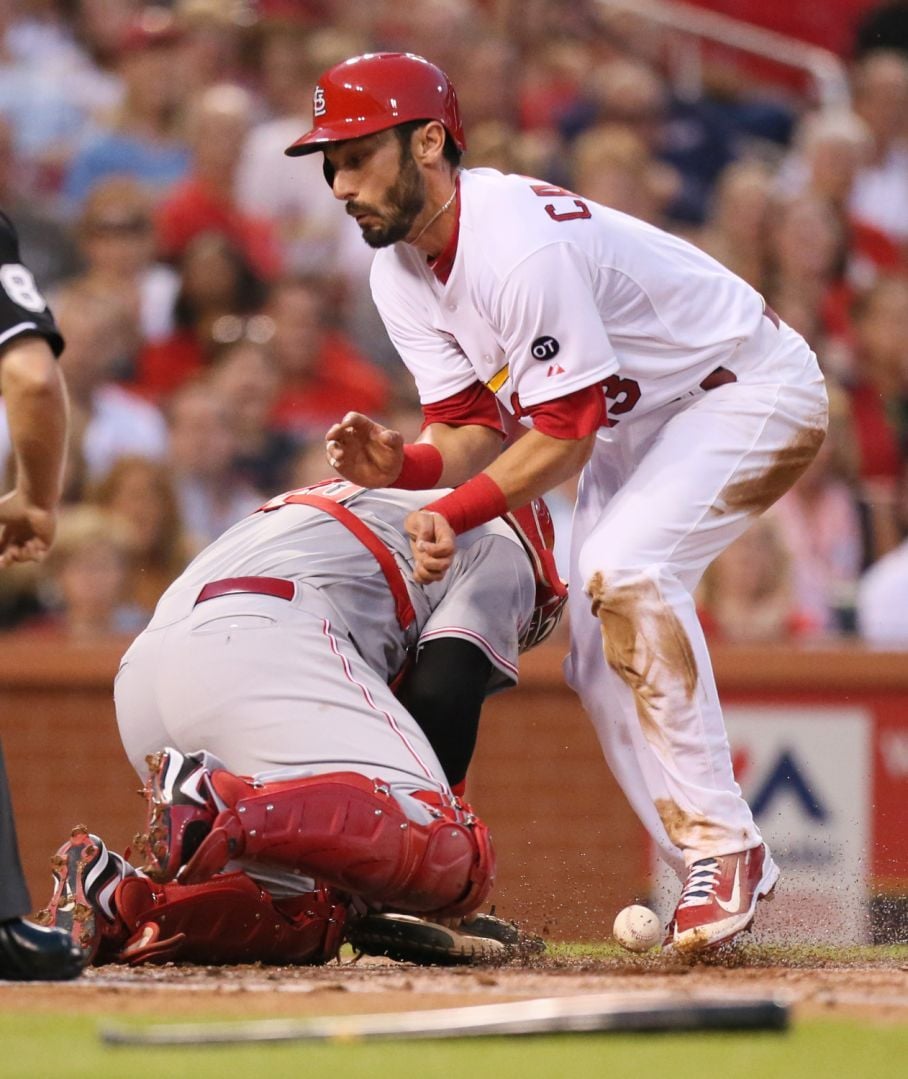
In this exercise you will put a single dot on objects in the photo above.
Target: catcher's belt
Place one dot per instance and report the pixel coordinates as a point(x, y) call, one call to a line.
point(279, 587)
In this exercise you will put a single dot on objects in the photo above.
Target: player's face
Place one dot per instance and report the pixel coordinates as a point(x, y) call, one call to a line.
point(382, 185)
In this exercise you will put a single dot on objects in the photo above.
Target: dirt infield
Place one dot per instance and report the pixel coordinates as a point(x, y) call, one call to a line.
point(869, 984)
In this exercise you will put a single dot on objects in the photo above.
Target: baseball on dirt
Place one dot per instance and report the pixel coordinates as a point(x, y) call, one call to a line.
point(637, 929)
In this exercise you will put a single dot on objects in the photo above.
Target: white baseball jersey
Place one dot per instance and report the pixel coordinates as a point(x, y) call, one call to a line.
point(550, 293)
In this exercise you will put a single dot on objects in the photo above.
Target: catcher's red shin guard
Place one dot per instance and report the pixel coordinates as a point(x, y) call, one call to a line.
point(227, 920)
point(349, 831)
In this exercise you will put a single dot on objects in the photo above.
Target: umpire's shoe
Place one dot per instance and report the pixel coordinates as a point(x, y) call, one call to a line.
point(30, 953)
point(475, 939)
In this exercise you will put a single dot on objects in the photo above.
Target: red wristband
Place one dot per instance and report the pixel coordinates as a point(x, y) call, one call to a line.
point(422, 467)
point(477, 501)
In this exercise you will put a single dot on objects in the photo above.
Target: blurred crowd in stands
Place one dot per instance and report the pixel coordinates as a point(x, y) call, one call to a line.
point(215, 303)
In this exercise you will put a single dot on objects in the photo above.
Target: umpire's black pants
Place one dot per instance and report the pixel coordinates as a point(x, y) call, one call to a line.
point(14, 898)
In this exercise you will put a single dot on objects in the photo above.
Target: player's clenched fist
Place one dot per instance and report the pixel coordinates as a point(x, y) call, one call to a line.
point(433, 543)
point(364, 452)
point(26, 530)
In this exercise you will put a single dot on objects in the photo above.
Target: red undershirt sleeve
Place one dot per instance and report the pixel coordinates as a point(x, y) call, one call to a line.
point(474, 405)
point(575, 415)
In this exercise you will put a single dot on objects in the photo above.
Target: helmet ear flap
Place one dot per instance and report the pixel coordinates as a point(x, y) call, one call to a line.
point(536, 531)
point(328, 172)
point(546, 616)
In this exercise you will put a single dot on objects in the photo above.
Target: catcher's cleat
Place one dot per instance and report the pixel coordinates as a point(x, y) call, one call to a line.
point(181, 809)
point(719, 899)
point(478, 938)
point(86, 876)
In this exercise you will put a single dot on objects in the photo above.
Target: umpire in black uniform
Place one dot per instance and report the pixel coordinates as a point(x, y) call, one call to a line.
point(36, 408)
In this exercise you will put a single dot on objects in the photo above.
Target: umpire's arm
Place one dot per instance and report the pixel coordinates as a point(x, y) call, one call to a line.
point(37, 412)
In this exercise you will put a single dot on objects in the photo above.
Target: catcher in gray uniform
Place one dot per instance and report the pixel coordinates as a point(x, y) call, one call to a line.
point(295, 799)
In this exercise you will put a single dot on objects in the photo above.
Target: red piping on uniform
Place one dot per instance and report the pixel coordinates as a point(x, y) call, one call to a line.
point(370, 700)
point(468, 633)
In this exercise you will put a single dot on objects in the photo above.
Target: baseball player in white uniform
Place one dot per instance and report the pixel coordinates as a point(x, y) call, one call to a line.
point(626, 353)
point(257, 705)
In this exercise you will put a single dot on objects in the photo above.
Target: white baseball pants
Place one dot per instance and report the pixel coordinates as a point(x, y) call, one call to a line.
point(661, 497)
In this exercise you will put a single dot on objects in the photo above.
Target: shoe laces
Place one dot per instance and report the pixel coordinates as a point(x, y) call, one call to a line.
point(700, 886)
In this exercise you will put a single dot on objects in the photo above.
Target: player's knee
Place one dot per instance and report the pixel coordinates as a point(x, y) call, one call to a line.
point(619, 601)
point(636, 595)
point(613, 559)
point(644, 639)
point(602, 575)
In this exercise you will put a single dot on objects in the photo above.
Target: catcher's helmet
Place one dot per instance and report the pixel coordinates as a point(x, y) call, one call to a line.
point(376, 91)
point(533, 524)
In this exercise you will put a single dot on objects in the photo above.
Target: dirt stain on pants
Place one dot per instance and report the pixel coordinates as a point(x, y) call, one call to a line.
point(685, 829)
point(754, 494)
point(647, 647)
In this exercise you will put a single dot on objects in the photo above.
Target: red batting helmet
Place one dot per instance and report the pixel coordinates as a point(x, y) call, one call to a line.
point(376, 91)
point(533, 524)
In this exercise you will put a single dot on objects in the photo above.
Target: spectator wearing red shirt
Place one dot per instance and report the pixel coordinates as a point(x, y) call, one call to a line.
point(839, 151)
point(322, 373)
point(217, 303)
point(219, 122)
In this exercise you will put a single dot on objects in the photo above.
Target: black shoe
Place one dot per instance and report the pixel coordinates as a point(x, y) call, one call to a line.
point(479, 938)
point(30, 953)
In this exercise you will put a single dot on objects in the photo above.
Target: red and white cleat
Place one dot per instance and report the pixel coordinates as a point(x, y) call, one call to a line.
point(719, 899)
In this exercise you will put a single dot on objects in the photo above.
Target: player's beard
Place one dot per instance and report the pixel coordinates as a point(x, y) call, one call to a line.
point(404, 201)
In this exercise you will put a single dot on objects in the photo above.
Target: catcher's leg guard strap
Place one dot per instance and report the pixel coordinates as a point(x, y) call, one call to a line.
point(229, 920)
point(349, 831)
